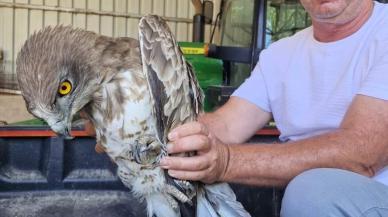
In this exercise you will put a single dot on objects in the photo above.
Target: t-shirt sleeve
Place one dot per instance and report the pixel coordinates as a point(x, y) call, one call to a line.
point(254, 90)
point(375, 83)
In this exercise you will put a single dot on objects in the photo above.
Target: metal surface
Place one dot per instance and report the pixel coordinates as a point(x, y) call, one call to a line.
point(207, 11)
point(21, 18)
point(232, 54)
point(249, 55)
point(70, 204)
point(86, 11)
point(245, 54)
point(198, 28)
point(50, 176)
point(258, 36)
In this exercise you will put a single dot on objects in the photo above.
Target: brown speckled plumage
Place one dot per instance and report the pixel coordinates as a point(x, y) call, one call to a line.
point(134, 93)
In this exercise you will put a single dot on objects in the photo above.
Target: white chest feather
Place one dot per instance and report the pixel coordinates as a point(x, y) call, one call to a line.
point(124, 120)
point(124, 110)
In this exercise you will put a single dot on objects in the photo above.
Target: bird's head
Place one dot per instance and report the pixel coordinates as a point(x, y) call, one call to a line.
point(56, 76)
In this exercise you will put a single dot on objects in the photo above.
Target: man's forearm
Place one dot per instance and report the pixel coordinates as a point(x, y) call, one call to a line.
point(216, 125)
point(277, 164)
point(360, 144)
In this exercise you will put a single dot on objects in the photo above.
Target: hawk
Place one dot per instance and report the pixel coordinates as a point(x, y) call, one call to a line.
point(134, 92)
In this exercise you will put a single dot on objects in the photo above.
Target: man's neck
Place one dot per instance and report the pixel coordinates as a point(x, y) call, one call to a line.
point(329, 32)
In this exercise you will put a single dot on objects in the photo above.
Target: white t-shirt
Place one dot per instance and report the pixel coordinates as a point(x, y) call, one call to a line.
point(308, 85)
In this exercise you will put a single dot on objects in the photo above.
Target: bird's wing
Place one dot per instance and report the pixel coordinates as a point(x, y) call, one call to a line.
point(175, 91)
point(178, 99)
point(176, 95)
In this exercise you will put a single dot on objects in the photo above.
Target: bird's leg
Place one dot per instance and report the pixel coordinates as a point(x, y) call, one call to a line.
point(177, 194)
point(146, 151)
point(172, 202)
point(189, 188)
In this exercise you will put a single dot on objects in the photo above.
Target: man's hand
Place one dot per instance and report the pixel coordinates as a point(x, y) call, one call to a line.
point(208, 165)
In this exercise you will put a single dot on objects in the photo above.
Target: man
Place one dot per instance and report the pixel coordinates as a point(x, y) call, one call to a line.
point(327, 89)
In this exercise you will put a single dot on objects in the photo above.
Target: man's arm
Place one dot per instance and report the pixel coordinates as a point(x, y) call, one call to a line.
point(360, 145)
point(236, 121)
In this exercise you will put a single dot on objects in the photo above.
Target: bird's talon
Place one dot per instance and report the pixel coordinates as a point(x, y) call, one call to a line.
point(146, 151)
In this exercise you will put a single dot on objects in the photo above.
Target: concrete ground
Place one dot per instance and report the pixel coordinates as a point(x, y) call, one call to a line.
point(71, 204)
point(13, 109)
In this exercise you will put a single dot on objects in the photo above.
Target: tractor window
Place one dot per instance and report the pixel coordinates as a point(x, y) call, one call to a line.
point(283, 18)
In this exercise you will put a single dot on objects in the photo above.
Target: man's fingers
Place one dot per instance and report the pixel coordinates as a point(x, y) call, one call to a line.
point(188, 129)
point(188, 144)
point(194, 163)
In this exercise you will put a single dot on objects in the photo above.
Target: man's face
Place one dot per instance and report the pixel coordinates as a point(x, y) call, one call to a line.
point(333, 11)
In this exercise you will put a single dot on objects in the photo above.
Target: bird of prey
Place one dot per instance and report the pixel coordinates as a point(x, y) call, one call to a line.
point(134, 92)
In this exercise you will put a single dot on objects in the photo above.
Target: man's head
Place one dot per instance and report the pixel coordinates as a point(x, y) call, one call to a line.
point(335, 11)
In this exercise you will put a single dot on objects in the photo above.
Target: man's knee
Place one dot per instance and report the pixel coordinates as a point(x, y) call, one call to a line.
point(308, 194)
point(333, 192)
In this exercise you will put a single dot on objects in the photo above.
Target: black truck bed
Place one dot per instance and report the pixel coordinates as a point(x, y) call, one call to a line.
point(49, 176)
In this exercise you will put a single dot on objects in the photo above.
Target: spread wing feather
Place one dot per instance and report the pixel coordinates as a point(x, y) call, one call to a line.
point(174, 88)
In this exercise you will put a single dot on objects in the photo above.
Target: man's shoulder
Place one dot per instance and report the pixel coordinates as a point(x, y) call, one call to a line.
point(381, 19)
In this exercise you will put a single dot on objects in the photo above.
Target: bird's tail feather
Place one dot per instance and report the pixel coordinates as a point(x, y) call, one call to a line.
point(219, 200)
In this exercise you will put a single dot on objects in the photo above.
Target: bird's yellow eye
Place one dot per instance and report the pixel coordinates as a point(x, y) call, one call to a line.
point(64, 88)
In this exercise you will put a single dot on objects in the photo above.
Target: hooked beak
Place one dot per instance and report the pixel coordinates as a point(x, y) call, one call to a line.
point(62, 128)
point(67, 134)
